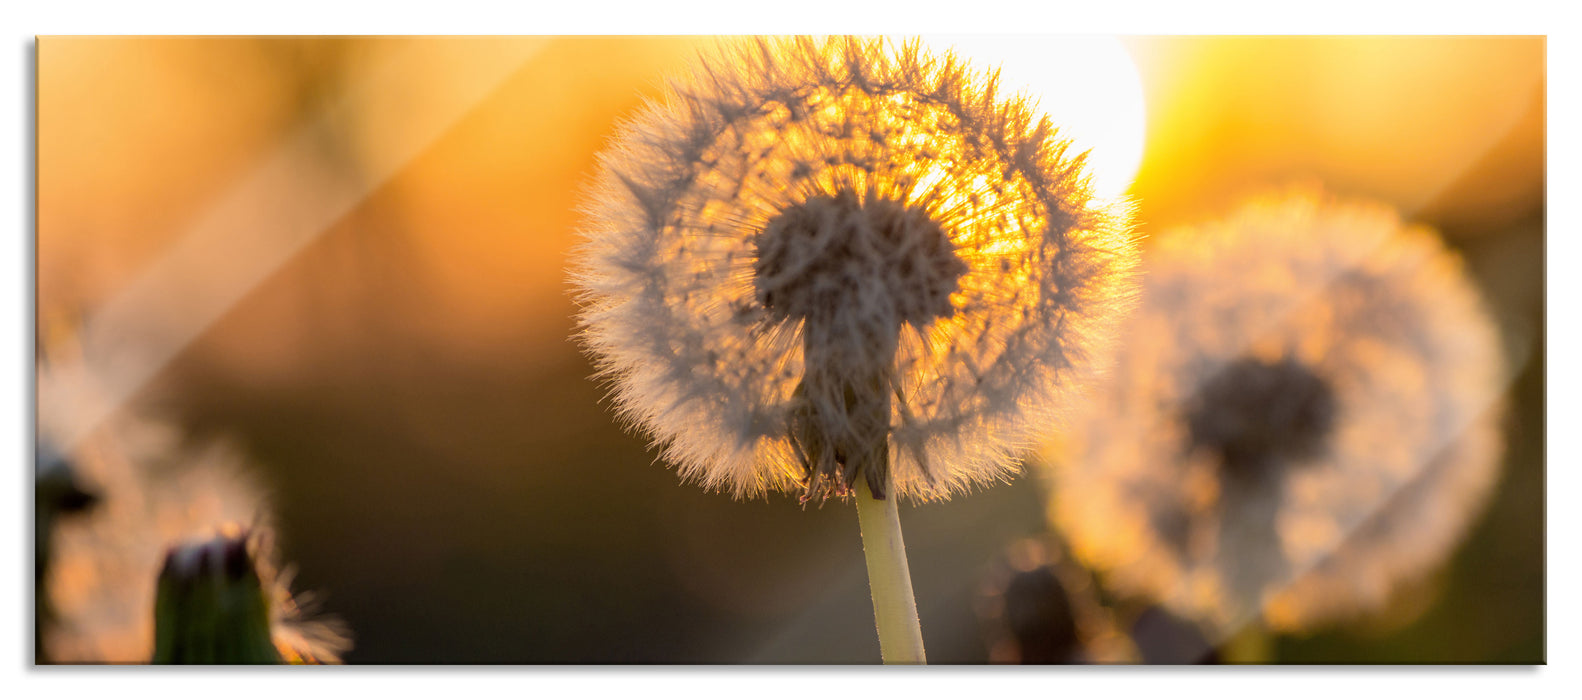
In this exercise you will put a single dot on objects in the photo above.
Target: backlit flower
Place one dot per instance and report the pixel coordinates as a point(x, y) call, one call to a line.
point(818, 261)
point(1301, 418)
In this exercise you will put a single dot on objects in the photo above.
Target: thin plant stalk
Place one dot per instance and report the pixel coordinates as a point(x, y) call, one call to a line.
point(1252, 644)
point(889, 579)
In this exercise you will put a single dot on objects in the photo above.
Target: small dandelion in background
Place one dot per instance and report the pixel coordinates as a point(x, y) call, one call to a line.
point(152, 492)
point(1302, 418)
point(1037, 607)
point(833, 266)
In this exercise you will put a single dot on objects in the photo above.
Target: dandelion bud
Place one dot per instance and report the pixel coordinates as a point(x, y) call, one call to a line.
point(1037, 607)
point(819, 261)
point(1039, 625)
point(211, 607)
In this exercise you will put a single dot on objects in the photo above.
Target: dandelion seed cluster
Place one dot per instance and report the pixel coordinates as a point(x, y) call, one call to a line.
point(815, 261)
point(152, 492)
point(1303, 416)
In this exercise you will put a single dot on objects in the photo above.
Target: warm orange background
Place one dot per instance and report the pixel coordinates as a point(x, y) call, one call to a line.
point(443, 471)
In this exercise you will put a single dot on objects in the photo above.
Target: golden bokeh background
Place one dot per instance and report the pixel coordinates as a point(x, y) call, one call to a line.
point(347, 254)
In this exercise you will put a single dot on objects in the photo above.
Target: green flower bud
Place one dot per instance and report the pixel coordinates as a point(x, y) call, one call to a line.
point(212, 606)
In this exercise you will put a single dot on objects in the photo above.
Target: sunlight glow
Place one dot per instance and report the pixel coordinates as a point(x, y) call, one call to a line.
point(267, 216)
point(1088, 85)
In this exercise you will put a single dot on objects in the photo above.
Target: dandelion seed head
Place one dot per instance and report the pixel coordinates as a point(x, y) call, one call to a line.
point(1302, 418)
point(811, 255)
point(1258, 416)
point(879, 263)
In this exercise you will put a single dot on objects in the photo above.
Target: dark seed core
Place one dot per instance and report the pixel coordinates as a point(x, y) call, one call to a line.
point(1261, 417)
point(1039, 615)
point(853, 272)
point(832, 252)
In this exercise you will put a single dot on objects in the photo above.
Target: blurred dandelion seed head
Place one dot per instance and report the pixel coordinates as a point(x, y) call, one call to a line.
point(58, 490)
point(1302, 418)
point(153, 491)
point(810, 249)
point(1258, 416)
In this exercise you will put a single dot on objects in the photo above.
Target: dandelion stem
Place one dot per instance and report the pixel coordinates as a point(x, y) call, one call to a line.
point(889, 579)
point(1250, 645)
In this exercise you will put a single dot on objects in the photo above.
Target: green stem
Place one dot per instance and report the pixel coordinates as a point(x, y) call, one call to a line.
point(889, 580)
point(1251, 644)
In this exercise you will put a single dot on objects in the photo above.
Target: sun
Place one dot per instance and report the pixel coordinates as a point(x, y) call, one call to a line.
point(1087, 85)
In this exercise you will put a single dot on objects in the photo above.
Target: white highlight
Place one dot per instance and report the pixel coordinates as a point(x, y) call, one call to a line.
point(1087, 85)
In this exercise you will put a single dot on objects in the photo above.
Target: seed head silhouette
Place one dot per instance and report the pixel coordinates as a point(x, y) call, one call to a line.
point(818, 261)
point(1303, 417)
